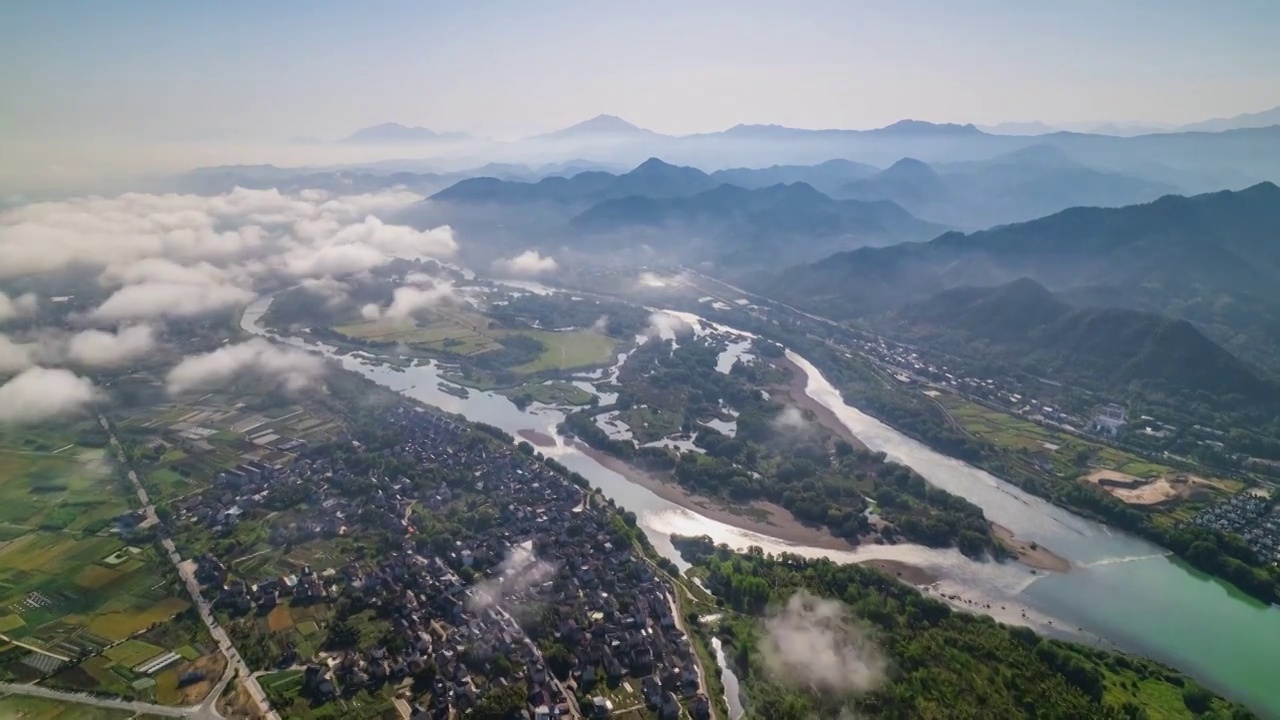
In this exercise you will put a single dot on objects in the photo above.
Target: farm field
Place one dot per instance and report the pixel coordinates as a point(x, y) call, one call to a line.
point(29, 708)
point(71, 487)
point(130, 669)
point(467, 333)
point(181, 447)
point(1072, 458)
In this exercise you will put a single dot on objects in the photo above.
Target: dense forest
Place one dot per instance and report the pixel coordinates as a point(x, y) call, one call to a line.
point(777, 454)
point(928, 661)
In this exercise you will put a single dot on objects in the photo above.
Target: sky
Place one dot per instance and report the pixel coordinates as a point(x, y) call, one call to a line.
point(201, 70)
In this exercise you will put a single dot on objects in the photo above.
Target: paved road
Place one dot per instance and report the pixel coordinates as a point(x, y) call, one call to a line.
point(235, 663)
point(106, 703)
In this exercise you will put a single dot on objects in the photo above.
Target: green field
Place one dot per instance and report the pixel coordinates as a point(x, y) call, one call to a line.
point(59, 586)
point(74, 489)
point(467, 333)
point(1065, 455)
point(133, 652)
point(550, 393)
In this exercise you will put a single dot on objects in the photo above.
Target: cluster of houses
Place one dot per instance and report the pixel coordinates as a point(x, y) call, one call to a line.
point(549, 554)
point(1251, 517)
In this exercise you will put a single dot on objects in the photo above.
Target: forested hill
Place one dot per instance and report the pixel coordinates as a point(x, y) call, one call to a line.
point(1024, 325)
point(1213, 259)
point(939, 664)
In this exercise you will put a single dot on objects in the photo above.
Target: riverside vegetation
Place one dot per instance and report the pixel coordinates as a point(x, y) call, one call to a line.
point(777, 453)
point(924, 661)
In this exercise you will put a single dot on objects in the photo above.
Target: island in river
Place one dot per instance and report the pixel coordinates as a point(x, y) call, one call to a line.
point(739, 439)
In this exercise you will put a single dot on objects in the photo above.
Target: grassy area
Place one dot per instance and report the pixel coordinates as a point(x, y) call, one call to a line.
point(555, 392)
point(132, 652)
point(569, 350)
point(29, 708)
point(466, 333)
point(1059, 453)
point(70, 489)
point(650, 423)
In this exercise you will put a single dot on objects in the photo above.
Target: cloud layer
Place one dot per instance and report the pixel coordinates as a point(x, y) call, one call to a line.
point(185, 255)
point(38, 394)
point(22, 306)
point(529, 262)
point(96, 348)
point(811, 642)
point(293, 370)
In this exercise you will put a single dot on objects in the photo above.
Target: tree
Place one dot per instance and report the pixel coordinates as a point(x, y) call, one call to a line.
point(500, 703)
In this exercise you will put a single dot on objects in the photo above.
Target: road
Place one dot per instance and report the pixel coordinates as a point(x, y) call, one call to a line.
point(235, 663)
point(195, 713)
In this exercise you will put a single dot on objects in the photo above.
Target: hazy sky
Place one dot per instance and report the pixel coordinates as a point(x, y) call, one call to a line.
point(272, 69)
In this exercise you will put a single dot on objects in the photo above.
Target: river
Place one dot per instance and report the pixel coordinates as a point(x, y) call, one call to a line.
point(1121, 590)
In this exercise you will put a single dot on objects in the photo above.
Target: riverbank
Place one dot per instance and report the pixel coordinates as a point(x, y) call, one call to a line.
point(1030, 554)
point(765, 518)
point(796, 392)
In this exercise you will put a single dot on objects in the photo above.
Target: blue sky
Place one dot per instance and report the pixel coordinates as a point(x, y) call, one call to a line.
point(198, 69)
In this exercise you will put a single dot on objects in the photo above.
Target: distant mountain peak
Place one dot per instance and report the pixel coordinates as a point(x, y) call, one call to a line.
point(922, 127)
point(599, 125)
point(396, 132)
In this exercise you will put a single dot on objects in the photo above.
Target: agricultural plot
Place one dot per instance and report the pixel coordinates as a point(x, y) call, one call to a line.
point(73, 489)
point(1070, 457)
point(29, 708)
point(466, 333)
point(81, 590)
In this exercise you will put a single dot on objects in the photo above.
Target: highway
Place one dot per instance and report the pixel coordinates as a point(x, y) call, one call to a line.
point(235, 663)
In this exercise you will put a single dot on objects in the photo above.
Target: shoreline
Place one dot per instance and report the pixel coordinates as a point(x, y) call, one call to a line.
point(780, 525)
point(1030, 554)
point(796, 391)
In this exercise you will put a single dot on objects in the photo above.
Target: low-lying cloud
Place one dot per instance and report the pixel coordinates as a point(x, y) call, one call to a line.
point(812, 642)
point(169, 299)
point(185, 255)
point(529, 262)
point(15, 356)
point(519, 574)
point(409, 299)
point(14, 308)
point(97, 348)
point(667, 326)
point(291, 369)
point(38, 394)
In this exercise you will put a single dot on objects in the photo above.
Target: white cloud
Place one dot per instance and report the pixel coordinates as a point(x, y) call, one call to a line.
point(15, 356)
point(529, 262)
point(407, 300)
point(162, 270)
point(333, 291)
point(42, 393)
point(169, 299)
point(811, 642)
point(96, 348)
point(294, 370)
point(17, 307)
point(224, 238)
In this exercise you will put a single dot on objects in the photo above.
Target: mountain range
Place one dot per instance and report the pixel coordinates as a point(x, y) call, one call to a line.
point(1211, 259)
point(686, 214)
point(1029, 183)
point(1022, 324)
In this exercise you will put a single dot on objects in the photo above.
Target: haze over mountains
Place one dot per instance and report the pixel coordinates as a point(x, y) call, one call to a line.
point(1024, 325)
point(1211, 259)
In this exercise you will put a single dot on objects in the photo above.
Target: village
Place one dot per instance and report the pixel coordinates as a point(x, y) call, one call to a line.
point(547, 593)
point(1255, 519)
